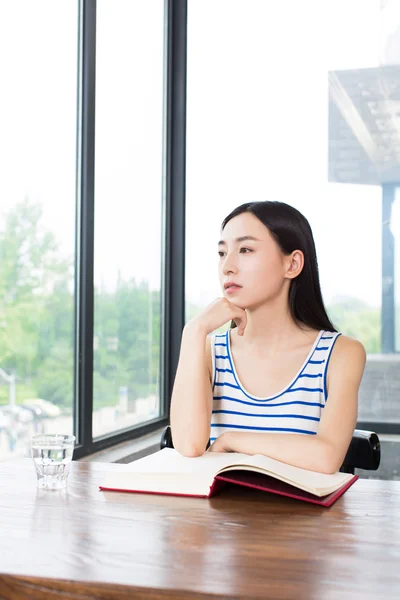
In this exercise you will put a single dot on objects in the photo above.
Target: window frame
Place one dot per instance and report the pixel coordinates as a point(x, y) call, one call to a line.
point(173, 222)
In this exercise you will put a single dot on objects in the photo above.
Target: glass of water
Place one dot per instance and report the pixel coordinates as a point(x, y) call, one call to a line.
point(52, 455)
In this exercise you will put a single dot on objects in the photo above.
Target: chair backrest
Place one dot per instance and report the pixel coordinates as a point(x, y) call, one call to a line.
point(364, 452)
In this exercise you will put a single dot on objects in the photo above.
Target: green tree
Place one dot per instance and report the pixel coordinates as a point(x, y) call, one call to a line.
point(357, 319)
point(35, 294)
point(55, 378)
point(127, 342)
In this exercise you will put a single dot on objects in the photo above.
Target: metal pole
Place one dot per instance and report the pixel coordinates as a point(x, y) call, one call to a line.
point(12, 390)
point(84, 309)
point(388, 259)
point(11, 380)
point(174, 194)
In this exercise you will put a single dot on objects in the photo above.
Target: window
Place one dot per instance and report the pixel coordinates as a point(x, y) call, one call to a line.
point(37, 220)
point(300, 104)
point(128, 194)
point(49, 97)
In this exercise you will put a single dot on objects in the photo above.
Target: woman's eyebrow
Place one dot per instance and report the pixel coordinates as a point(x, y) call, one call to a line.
point(242, 238)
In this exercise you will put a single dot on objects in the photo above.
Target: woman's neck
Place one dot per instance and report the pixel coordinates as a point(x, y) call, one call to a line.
point(272, 326)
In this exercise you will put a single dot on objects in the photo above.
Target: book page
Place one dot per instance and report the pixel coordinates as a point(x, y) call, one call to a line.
point(182, 484)
point(169, 460)
point(167, 471)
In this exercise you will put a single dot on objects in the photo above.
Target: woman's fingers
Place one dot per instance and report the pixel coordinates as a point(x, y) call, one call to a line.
point(241, 322)
point(218, 313)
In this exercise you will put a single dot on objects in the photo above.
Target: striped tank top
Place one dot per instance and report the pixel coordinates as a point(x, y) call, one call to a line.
point(296, 409)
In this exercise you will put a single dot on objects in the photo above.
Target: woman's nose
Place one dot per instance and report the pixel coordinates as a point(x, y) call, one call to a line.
point(229, 265)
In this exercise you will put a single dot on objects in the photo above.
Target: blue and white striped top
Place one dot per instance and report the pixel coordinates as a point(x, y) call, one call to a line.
point(296, 409)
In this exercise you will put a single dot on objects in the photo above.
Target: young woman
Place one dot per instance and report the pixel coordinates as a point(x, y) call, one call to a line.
point(281, 382)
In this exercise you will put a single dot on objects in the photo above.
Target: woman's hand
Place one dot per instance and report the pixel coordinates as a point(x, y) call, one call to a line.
point(218, 313)
point(221, 444)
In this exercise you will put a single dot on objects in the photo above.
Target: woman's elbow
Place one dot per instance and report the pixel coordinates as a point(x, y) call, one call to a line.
point(330, 460)
point(189, 444)
point(189, 450)
point(329, 468)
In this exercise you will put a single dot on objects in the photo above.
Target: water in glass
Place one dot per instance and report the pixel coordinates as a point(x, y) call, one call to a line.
point(52, 457)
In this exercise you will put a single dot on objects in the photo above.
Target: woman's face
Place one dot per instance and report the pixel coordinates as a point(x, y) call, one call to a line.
point(251, 259)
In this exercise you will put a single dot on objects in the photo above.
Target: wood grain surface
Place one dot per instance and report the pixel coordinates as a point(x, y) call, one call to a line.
point(81, 543)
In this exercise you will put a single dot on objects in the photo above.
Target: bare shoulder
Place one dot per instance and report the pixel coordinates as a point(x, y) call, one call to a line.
point(348, 357)
point(349, 349)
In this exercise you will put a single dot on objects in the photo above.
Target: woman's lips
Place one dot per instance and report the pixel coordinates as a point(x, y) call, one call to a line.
point(233, 288)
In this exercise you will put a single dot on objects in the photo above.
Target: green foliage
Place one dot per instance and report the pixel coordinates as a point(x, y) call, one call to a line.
point(32, 279)
point(127, 342)
point(37, 321)
point(356, 319)
point(54, 380)
point(23, 392)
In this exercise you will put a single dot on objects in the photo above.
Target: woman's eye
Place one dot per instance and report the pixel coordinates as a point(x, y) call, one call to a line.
point(245, 250)
point(221, 254)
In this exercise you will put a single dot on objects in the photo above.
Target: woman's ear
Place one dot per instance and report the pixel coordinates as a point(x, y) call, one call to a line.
point(294, 264)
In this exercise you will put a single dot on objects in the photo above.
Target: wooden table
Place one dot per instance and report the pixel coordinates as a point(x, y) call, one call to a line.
point(81, 543)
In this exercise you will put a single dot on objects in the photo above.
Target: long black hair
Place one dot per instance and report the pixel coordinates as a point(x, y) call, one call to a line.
point(291, 231)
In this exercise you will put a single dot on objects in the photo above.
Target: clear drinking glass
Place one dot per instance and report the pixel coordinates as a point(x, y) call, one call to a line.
point(52, 455)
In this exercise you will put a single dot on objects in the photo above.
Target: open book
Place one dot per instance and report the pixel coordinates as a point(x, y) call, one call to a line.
point(168, 472)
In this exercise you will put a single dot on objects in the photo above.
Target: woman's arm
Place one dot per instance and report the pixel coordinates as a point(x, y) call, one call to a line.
point(325, 451)
point(191, 402)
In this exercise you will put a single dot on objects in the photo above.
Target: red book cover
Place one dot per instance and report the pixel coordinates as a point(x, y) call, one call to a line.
point(265, 483)
point(256, 481)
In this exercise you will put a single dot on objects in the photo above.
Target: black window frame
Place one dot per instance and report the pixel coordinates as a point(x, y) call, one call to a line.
point(173, 219)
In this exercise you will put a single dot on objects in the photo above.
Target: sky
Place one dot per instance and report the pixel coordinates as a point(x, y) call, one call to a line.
point(256, 129)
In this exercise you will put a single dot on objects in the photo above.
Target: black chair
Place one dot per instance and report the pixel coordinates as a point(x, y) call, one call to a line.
point(364, 451)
